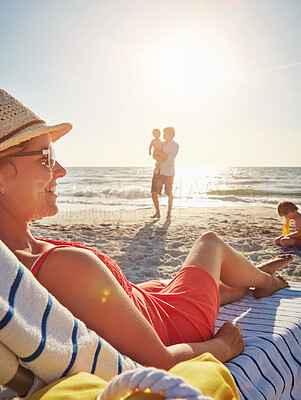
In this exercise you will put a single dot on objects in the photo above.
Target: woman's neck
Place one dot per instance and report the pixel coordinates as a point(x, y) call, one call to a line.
point(15, 233)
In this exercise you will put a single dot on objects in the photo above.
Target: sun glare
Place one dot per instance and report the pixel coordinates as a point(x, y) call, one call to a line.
point(190, 68)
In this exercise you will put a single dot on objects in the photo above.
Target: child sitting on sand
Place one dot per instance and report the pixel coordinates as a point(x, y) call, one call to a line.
point(289, 210)
point(157, 145)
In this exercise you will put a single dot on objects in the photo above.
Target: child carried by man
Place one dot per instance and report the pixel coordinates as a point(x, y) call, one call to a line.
point(157, 146)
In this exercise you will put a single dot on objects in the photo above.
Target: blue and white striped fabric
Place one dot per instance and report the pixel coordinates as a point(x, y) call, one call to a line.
point(44, 334)
point(270, 366)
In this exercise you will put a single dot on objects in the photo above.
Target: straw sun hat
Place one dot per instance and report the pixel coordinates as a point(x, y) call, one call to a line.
point(18, 123)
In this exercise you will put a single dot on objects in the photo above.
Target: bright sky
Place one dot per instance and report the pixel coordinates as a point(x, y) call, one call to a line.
point(225, 73)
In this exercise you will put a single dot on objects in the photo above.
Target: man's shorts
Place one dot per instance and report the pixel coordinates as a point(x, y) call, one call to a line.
point(160, 180)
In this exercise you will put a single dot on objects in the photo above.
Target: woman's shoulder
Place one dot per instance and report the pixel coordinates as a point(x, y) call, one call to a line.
point(65, 265)
point(72, 249)
point(77, 258)
point(63, 257)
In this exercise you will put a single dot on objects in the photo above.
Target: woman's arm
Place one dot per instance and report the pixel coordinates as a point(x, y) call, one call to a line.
point(83, 284)
point(227, 344)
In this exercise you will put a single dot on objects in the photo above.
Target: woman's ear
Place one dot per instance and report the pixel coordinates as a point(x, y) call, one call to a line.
point(8, 171)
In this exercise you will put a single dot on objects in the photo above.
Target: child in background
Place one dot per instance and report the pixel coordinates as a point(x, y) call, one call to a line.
point(157, 146)
point(289, 210)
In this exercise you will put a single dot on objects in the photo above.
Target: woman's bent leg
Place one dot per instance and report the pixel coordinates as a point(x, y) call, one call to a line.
point(230, 294)
point(224, 263)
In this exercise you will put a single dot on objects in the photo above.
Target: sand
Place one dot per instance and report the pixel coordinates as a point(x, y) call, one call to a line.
point(155, 249)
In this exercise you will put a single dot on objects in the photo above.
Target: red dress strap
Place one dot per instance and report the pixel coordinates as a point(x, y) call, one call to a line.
point(36, 265)
point(111, 264)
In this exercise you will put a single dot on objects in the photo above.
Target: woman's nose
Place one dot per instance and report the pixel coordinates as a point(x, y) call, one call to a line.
point(58, 170)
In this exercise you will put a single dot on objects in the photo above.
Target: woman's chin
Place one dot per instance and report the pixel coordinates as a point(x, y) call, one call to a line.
point(52, 212)
point(51, 208)
point(45, 212)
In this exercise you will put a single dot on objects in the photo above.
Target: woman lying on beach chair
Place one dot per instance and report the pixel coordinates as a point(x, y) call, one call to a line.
point(73, 361)
point(53, 344)
point(153, 323)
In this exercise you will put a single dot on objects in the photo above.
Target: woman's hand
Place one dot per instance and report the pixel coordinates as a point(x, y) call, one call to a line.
point(225, 345)
point(231, 339)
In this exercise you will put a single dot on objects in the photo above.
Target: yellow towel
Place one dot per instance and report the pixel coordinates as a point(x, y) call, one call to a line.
point(205, 373)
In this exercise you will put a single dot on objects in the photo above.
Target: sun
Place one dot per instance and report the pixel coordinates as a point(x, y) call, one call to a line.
point(190, 68)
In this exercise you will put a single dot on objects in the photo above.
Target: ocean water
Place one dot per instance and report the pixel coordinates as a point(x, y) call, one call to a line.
point(111, 188)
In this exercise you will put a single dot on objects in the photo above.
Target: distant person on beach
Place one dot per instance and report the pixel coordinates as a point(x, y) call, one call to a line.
point(164, 175)
point(155, 323)
point(157, 146)
point(290, 211)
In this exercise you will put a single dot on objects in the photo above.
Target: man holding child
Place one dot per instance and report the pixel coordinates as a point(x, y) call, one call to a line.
point(164, 174)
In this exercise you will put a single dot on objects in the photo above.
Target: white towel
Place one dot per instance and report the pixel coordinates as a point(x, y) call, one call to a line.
point(270, 366)
point(44, 334)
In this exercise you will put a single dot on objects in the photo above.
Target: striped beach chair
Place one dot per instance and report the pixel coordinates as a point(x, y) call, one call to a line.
point(270, 366)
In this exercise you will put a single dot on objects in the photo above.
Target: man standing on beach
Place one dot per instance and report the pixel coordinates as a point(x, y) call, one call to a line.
point(165, 174)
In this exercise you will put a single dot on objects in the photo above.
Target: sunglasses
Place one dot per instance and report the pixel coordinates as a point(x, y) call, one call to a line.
point(49, 153)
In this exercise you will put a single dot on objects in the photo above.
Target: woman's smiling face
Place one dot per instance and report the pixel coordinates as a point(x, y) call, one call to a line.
point(29, 183)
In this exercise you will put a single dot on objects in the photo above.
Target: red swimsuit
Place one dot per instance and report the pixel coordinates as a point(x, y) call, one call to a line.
point(181, 311)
